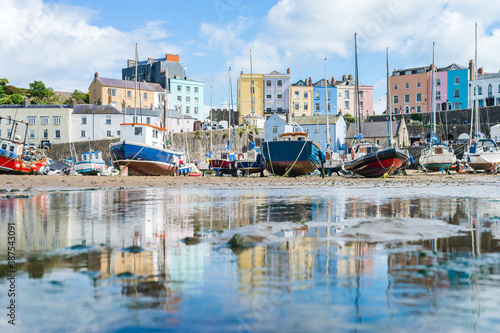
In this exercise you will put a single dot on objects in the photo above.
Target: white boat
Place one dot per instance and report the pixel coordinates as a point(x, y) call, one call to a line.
point(91, 163)
point(438, 156)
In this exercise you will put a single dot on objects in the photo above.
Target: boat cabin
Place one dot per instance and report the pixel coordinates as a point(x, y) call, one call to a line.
point(143, 133)
point(92, 156)
point(294, 136)
point(484, 144)
point(12, 149)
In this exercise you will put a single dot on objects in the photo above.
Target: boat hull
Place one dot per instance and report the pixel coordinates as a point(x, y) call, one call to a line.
point(379, 163)
point(144, 160)
point(88, 168)
point(18, 166)
point(486, 161)
point(223, 166)
point(291, 158)
point(438, 157)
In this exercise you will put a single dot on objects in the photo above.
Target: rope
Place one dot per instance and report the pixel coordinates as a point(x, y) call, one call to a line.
point(270, 159)
point(286, 173)
point(131, 160)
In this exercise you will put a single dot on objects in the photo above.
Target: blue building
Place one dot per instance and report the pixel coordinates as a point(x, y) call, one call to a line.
point(315, 126)
point(458, 90)
point(319, 98)
point(274, 126)
point(187, 97)
point(276, 99)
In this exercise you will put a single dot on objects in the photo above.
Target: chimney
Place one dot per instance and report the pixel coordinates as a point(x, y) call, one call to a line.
point(480, 71)
point(26, 102)
point(344, 77)
point(96, 75)
point(73, 103)
point(333, 81)
point(172, 57)
point(241, 73)
point(350, 76)
point(310, 81)
point(288, 71)
point(471, 70)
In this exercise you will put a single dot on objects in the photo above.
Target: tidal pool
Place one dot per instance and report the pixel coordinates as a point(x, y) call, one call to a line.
point(114, 260)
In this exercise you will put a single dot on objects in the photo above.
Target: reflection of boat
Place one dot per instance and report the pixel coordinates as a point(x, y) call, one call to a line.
point(437, 156)
point(293, 155)
point(91, 163)
point(15, 157)
point(368, 160)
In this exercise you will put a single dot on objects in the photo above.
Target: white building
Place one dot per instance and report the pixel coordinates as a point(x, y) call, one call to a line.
point(488, 90)
point(95, 122)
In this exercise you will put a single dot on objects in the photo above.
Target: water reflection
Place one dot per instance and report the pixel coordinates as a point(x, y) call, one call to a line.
point(86, 237)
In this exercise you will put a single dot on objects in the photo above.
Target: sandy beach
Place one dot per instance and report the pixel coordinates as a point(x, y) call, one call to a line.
point(29, 182)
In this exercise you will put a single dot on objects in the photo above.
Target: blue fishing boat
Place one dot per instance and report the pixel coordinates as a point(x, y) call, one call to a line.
point(91, 163)
point(293, 155)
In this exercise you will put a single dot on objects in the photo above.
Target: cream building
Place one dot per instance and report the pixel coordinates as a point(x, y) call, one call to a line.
point(301, 99)
point(121, 93)
point(246, 97)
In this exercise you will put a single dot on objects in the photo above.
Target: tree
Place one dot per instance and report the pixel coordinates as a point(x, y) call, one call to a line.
point(349, 119)
point(3, 82)
point(40, 92)
point(80, 97)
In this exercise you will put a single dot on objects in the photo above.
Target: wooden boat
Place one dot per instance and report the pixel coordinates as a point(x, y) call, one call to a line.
point(368, 160)
point(224, 164)
point(91, 163)
point(293, 155)
point(250, 162)
point(16, 157)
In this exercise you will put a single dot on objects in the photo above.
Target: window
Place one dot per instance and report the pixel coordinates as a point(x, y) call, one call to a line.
point(108, 133)
point(108, 120)
point(45, 134)
point(58, 134)
point(57, 120)
point(296, 106)
point(179, 98)
point(317, 106)
point(419, 98)
point(407, 85)
point(395, 99)
point(95, 93)
point(490, 91)
point(395, 86)
point(113, 104)
point(112, 92)
point(457, 80)
point(84, 120)
point(346, 104)
point(329, 95)
point(148, 120)
point(44, 120)
point(306, 106)
point(8, 133)
point(479, 90)
point(155, 134)
point(195, 110)
point(82, 133)
point(438, 95)
point(360, 94)
point(346, 93)
point(187, 109)
point(499, 88)
point(252, 90)
point(306, 129)
point(31, 120)
point(457, 104)
point(438, 82)
point(118, 133)
point(279, 83)
point(188, 99)
point(316, 94)
point(498, 101)
point(296, 95)
point(268, 94)
point(179, 88)
point(457, 93)
point(269, 107)
point(316, 129)
point(418, 84)
point(268, 83)
point(279, 107)
point(134, 119)
point(360, 106)
point(481, 102)
point(188, 89)
point(279, 94)
point(32, 133)
point(306, 94)
point(196, 89)
point(129, 94)
point(138, 130)
point(275, 129)
point(145, 96)
point(407, 98)
point(419, 109)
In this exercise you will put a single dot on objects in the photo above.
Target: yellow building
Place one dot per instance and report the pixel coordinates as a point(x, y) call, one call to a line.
point(301, 99)
point(246, 97)
point(120, 93)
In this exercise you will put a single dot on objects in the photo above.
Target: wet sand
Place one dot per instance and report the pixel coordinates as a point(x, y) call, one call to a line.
point(414, 178)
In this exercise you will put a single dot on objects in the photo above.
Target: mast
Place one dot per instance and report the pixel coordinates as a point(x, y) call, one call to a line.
point(389, 111)
point(356, 87)
point(252, 96)
point(328, 141)
point(211, 129)
point(135, 94)
point(229, 112)
point(433, 95)
point(476, 108)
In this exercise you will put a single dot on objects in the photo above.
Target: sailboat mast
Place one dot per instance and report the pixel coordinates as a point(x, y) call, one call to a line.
point(433, 96)
point(328, 142)
point(229, 111)
point(476, 108)
point(135, 94)
point(356, 86)
point(252, 96)
point(211, 129)
point(389, 111)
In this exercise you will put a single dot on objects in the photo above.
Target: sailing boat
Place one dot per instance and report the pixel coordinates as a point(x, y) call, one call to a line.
point(438, 156)
point(251, 162)
point(333, 162)
point(366, 158)
point(144, 148)
point(483, 154)
point(225, 163)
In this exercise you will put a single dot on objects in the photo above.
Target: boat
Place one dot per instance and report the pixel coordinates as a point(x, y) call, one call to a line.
point(437, 156)
point(293, 155)
point(91, 163)
point(18, 158)
point(366, 158)
point(482, 154)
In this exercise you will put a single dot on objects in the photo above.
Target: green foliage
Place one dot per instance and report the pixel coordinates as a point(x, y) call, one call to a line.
point(349, 119)
point(39, 92)
point(224, 135)
point(416, 116)
point(10, 89)
point(16, 99)
point(79, 96)
point(241, 132)
point(257, 131)
point(197, 135)
point(207, 133)
point(3, 82)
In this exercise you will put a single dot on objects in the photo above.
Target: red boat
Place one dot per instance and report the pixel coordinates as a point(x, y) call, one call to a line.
point(15, 158)
point(225, 164)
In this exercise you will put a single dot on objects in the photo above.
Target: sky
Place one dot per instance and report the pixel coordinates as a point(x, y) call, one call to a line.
point(64, 42)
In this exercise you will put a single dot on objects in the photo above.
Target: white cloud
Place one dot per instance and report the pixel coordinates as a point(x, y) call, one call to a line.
point(56, 44)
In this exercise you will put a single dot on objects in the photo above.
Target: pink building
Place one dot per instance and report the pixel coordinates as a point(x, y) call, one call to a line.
point(441, 89)
point(366, 100)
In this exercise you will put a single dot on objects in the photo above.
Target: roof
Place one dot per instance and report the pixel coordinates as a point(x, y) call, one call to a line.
point(258, 116)
point(299, 83)
point(157, 113)
point(452, 67)
point(95, 109)
point(314, 120)
point(321, 83)
point(130, 84)
point(373, 129)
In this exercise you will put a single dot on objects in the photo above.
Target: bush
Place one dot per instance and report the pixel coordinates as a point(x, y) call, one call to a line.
point(416, 116)
point(197, 134)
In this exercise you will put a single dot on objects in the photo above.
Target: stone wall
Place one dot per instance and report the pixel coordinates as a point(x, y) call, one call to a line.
point(61, 151)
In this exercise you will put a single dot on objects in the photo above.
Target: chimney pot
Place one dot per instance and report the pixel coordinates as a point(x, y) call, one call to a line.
point(288, 70)
point(344, 77)
point(350, 76)
point(310, 84)
point(96, 75)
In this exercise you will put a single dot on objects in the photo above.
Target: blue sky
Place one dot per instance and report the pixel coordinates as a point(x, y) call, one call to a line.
point(64, 42)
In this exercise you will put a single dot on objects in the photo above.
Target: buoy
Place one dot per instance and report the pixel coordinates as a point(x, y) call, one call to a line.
point(352, 154)
point(17, 166)
point(241, 156)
